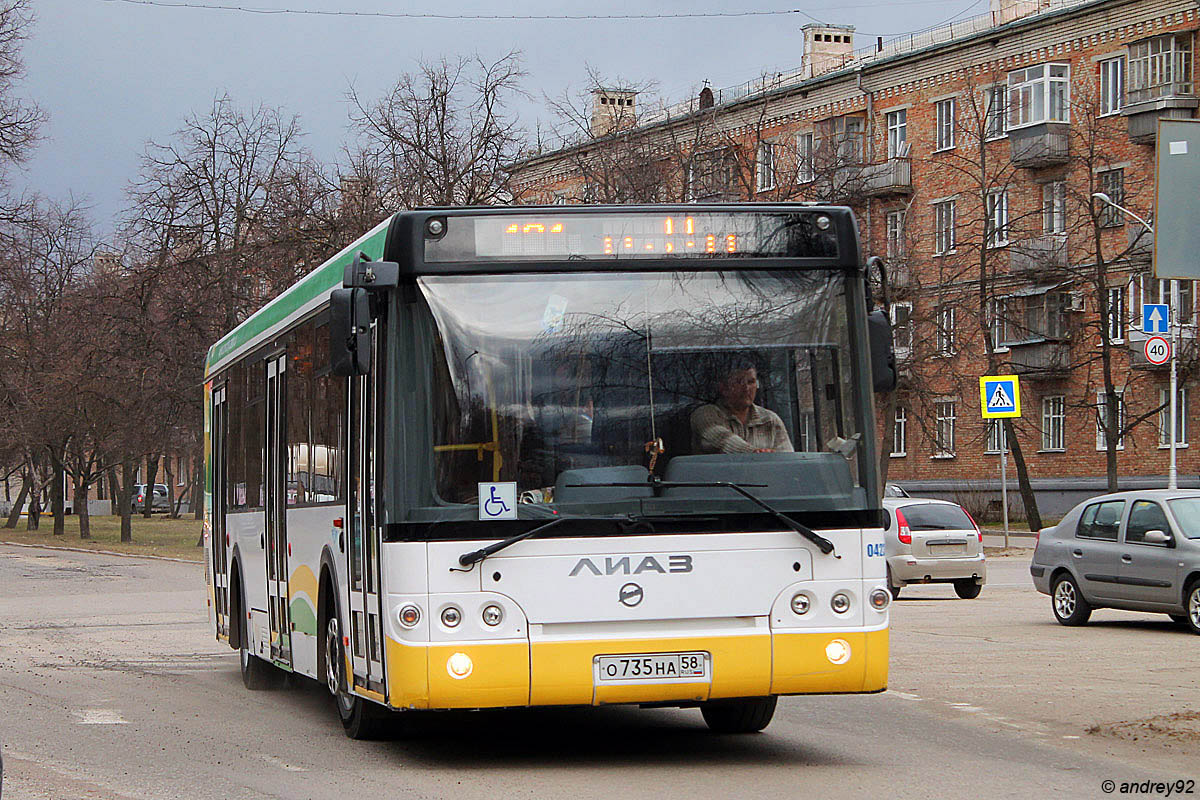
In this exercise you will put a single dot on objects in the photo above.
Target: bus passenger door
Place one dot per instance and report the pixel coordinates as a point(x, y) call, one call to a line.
point(217, 530)
point(366, 630)
point(276, 505)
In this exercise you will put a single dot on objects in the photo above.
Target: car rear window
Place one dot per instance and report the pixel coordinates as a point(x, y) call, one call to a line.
point(937, 517)
point(1100, 521)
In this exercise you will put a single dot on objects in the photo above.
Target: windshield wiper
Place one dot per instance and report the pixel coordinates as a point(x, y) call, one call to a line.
point(475, 556)
point(658, 484)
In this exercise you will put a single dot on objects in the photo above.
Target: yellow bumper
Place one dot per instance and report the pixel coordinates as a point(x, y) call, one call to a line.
point(561, 673)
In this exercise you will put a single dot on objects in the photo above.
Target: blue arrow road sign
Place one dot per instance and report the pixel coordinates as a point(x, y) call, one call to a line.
point(1156, 318)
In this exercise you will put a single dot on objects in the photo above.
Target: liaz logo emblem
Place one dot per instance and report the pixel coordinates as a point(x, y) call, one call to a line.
point(630, 595)
point(625, 565)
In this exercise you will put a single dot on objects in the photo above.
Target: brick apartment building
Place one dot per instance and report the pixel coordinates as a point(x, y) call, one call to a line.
point(971, 154)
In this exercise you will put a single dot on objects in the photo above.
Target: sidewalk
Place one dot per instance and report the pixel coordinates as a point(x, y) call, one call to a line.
point(994, 538)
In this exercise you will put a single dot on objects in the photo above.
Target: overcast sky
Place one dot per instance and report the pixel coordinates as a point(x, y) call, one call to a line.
point(113, 75)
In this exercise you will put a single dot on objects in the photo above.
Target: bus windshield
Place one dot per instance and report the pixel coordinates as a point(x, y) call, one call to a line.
point(566, 384)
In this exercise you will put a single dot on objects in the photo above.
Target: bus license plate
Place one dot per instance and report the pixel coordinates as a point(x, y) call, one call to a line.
point(652, 668)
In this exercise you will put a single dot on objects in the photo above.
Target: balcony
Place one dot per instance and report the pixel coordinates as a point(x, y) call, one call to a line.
point(1045, 254)
point(1144, 108)
point(892, 177)
point(1040, 358)
point(1037, 146)
point(1140, 243)
point(1135, 340)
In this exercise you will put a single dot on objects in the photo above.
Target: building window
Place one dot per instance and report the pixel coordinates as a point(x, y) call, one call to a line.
point(902, 335)
point(1054, 422)
point(996, 112)
point(1160, 67)
point(1114, 323)
point(843, 136)
point(994, 433)
point(1164, 417)
point(1054, 207)
point(712, 174)
point(945, 330)
point(895, 235)
point(897, 133)
point(1112, 85)
point(943, 227)
point(900, 433)
point(1184, 314)
point(1102, 419)
point(998, 323)
point(804, 157)
point(944, 111)
point(1039, 93)
point(946, 415)
point(997, 214)
point(766, 167)
point(1112, 183)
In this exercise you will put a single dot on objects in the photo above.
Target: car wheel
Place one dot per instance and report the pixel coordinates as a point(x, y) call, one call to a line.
point(361, 719)
point(967, 588)
point(1070, 608)
point(1192, 605)
point(892, 587)
point(744, 715)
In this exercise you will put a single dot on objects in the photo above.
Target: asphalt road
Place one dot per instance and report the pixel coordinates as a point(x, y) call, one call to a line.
point(111, 687)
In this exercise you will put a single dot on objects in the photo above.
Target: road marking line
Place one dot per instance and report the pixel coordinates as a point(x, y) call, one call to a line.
point(98, 716)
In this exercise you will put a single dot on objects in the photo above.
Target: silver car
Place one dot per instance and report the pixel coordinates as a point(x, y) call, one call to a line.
point(932, 541)
point(1138, 551)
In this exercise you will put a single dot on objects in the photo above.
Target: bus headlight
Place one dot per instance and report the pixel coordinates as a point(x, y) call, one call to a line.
point(459, 666)
point(840, 603)
point(408, 616)
point(451, 616)
point(800, 604)
point(880, 599)
point(492, 615)
point(838, 651)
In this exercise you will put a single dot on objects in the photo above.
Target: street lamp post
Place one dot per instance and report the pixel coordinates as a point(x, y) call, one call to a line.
point(1172, 472)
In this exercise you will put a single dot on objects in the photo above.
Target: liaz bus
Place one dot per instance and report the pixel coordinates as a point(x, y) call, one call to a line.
point(564, 456)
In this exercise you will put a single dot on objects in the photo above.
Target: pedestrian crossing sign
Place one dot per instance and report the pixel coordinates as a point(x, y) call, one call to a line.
point(999, 396)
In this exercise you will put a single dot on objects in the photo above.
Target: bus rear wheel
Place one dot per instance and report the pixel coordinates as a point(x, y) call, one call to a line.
point(361, 718)
point(743, 715)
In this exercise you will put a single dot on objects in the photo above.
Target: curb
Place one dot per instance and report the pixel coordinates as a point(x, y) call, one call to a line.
point(102, 552)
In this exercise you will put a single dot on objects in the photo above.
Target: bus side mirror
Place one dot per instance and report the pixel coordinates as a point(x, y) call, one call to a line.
point(349, 332)
point(883, 354)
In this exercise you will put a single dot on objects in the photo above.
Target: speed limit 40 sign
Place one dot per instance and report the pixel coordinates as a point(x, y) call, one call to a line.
point(1158, 350)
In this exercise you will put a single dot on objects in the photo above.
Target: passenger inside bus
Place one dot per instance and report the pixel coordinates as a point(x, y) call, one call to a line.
point(735, 423)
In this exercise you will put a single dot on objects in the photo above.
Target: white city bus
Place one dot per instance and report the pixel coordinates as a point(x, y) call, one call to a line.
point(458, 465)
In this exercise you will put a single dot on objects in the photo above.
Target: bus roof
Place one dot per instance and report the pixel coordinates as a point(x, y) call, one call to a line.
point(302, 297)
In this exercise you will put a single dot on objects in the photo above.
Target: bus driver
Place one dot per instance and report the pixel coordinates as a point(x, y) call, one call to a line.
point(734, 424)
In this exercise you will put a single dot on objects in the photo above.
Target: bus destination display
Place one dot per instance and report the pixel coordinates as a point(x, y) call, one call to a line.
point(638, 235)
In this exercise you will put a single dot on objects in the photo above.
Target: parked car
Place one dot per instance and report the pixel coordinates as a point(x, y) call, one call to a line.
point(932, 541)
point(894, 490)
point(1138, 551)
point(159, 503)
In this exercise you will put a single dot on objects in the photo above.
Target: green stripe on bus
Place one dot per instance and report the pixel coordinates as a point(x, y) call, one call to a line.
point(322, 280)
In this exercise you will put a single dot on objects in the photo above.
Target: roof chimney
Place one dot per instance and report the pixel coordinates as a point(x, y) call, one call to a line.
point(826, 47)
point(612, 110)
point(1007, 10)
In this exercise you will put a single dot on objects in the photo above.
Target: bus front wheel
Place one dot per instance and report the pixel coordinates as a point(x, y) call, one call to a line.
point(743, 715)
point(361, 718)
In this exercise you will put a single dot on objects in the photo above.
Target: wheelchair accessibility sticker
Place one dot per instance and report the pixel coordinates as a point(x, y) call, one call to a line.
point(497, 501)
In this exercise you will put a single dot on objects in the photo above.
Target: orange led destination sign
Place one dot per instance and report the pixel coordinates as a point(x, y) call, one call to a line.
point(619, 235)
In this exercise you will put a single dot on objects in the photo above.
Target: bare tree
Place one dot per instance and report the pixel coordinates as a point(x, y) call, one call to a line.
point(444, 134)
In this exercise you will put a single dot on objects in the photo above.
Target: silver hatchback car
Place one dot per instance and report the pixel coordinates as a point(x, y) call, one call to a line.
point(932, 541)
point(1138, 551)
